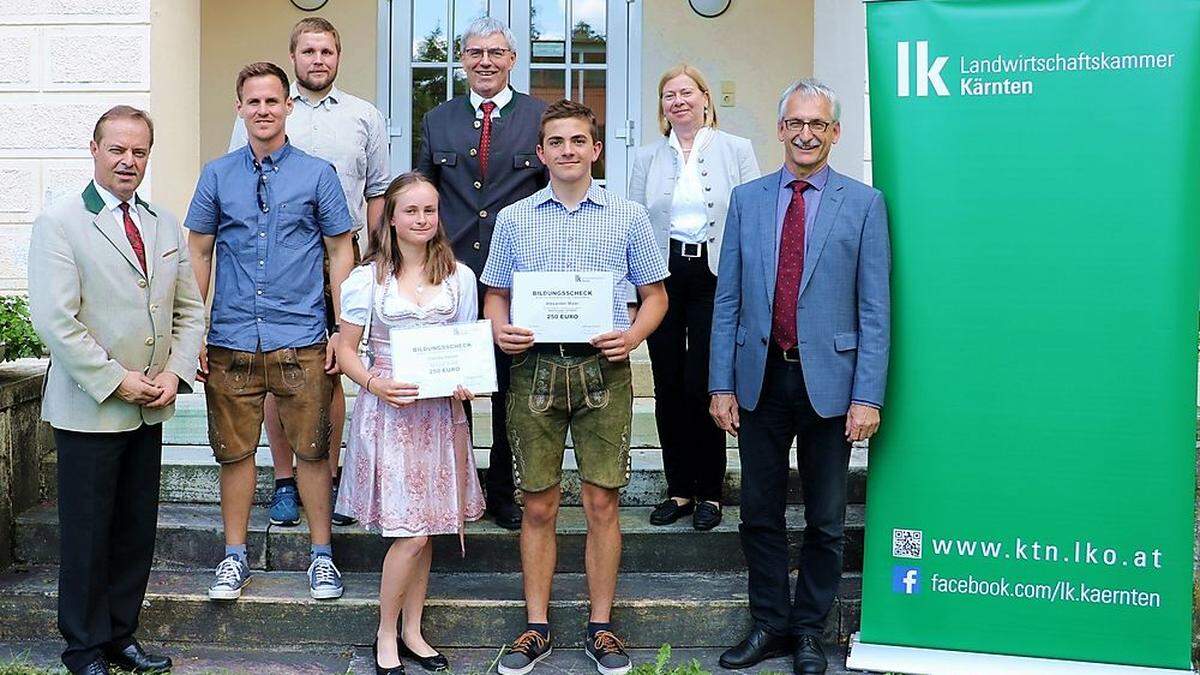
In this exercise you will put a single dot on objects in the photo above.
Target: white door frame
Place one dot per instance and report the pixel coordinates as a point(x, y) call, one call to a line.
point(622, 81)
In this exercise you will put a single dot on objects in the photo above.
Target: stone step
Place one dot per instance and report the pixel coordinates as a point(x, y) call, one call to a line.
point(190, 475)
point(191, 537)
point(199, 659)
point(463, 610)
point(189, 426)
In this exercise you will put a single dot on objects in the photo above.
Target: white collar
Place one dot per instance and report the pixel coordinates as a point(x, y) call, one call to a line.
point(502, 99)
point(110, 200)
point(334, 96)
point(702, 138)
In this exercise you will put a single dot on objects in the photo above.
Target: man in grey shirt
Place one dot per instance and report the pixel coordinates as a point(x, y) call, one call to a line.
point(351, 134)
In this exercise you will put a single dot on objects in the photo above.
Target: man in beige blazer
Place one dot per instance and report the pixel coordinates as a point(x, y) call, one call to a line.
point(112, 293)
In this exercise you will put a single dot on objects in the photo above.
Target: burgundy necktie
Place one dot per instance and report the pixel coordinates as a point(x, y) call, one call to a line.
point(789, 270)
point(135, 237)
point(485, 136)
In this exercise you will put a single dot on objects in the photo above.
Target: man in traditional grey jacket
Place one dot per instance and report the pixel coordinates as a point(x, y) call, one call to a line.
point(480, 149)
point(112, 293)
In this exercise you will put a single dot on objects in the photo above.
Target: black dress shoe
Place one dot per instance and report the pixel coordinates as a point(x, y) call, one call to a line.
point(706, 516)
point(97, 667)
point(506, 512)
point(135, 659)
point(758, 646)
point(670, 511)
point(809, 656)
point(380, 670)
point(434, 664)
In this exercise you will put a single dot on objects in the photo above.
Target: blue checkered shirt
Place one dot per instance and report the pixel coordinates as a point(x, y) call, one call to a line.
point(605, 233)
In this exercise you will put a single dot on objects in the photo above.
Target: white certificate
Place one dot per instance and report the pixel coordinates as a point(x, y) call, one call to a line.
point(439, 358)
point(563, 306)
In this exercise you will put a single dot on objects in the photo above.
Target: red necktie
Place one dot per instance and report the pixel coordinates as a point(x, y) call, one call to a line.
point(485, 136)
point(135, 237)
point(790, 270)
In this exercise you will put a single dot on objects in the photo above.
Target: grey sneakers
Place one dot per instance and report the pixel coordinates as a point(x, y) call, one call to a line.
point(232, 575)
point(324, 579)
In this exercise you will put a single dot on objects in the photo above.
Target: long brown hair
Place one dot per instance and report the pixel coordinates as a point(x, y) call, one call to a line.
point(383, 248)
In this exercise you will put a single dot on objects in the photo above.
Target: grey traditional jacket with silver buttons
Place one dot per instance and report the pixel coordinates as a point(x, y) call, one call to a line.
point(726, 161)
point(450, 158)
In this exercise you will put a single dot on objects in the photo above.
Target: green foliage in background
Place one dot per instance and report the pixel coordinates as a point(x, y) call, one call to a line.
point(16, 330)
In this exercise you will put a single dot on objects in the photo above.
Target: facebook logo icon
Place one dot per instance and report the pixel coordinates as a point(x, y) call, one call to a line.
point(906, 580)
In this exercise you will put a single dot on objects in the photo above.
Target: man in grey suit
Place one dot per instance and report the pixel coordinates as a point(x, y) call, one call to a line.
point(480, 150)
point(115, 299)
point(801, 334)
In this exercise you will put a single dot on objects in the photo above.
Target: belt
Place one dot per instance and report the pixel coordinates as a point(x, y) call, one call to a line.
point(688, 250)
point(564, 349)
point(791, 355)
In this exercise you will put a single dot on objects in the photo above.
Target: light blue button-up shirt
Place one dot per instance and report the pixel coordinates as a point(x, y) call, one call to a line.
point(269, 220)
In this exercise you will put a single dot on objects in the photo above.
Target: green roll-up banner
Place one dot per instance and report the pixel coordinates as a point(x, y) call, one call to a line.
point(1031, 489)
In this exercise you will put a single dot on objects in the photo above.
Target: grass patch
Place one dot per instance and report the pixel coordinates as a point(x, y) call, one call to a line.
point(662, 665)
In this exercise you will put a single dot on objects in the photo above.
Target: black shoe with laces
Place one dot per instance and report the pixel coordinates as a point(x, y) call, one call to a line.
point(808, 658)
point(524, 653)
point(608, 652)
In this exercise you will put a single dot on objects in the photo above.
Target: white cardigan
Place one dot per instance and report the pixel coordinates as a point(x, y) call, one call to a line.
point(725, 162)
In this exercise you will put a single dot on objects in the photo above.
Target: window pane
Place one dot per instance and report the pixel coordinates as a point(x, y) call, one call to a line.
point(547, 31)
point(429, 31)
point(548, 85)
point(429, 90)
point(589, 33)
point(465, 11)
point(460, 81)
point(587, 87)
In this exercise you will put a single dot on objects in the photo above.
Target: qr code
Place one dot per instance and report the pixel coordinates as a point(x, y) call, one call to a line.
point(906, 543)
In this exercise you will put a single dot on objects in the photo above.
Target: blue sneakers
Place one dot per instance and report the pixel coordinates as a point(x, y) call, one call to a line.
point(324, 579)
point(285, 506)
point(231, 577)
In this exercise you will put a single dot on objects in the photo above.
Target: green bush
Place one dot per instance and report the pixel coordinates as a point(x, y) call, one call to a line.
point(16, 330)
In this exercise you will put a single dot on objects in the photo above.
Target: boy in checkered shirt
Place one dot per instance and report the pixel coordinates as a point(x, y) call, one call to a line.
point(572, 224)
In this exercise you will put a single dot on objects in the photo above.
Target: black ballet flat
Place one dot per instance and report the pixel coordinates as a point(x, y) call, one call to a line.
point(380, 670)
point(435, 664)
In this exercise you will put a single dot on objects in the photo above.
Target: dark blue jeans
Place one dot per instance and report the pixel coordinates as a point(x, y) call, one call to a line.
point(784, 413)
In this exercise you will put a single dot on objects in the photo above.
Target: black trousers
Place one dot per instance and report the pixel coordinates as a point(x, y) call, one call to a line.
point(693, 446)
point(823, 457)
point(108, 515)
point(498, 482)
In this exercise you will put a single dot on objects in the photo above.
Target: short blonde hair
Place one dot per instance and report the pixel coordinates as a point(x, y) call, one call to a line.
point(314, 24)
point(710, 110)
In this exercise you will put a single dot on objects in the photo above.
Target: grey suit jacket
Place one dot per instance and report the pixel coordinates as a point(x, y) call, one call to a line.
point(449, 156)
point(843, 318)
point(726, 161)
point(101, 316)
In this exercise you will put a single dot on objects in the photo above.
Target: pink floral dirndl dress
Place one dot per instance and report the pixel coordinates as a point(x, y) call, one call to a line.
point(410, 471)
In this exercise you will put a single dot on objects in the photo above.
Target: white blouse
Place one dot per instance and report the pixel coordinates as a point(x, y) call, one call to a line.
point(457, 294)
point(689, 212)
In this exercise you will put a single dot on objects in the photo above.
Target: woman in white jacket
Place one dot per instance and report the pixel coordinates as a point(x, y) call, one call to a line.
point(684, 181)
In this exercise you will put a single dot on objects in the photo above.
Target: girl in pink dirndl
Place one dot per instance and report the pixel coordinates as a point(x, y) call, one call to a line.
point(409, 472)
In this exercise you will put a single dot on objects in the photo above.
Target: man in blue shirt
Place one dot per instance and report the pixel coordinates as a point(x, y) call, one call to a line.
point(270, 212)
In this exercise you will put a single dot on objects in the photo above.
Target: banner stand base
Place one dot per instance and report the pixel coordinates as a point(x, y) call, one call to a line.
point(916, 660)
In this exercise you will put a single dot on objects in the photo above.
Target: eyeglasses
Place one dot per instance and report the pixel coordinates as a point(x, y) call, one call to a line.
point(495, 53)
point(817, 126)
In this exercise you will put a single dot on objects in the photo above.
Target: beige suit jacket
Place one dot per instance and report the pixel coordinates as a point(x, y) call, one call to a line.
point(101, 316)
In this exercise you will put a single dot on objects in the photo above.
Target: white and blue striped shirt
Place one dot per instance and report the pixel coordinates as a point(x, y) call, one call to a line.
point(605, 233)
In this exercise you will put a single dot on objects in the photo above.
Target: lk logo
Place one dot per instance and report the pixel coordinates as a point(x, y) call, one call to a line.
point(927, 73)
point(906, 580)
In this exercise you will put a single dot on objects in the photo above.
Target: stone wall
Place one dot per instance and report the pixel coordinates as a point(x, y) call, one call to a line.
point(24, 443)
point(62, 64)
